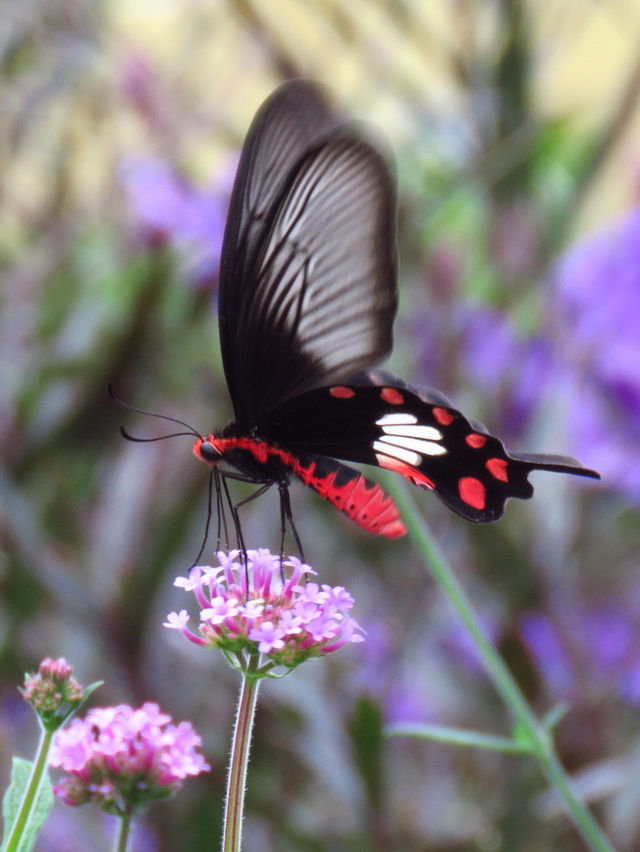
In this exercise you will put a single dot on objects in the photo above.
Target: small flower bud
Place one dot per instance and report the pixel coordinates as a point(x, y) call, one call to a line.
point(53, 692)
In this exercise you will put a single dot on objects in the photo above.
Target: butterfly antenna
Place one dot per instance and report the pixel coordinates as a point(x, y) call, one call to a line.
point(131, 437)
point(129, 407)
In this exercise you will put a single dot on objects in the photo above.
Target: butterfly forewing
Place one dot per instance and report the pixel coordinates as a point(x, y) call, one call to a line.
point(316, 299)
point(290, 122)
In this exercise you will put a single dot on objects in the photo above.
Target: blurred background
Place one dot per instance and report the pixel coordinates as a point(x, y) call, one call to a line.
point(515, 130)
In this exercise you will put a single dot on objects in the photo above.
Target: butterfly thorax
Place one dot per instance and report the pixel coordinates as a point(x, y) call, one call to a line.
point(253, 457)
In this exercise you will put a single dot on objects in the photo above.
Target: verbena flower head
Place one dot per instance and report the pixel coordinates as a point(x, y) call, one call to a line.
point(124, 757)
point(53, 692)
point(263, 615)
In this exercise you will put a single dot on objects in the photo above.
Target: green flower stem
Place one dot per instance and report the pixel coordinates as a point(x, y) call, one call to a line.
point(535, 736)
point(458, 736)
point(31, 793)
point(122, 840)
point(237, 777)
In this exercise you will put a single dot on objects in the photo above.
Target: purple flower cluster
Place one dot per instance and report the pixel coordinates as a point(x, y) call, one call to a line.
point(514, 368)
point(591, 647)
point(583, 369)
point(122, 758)
point(596, 298)
point(255, 612)
point(166, 207)
point(462, 337)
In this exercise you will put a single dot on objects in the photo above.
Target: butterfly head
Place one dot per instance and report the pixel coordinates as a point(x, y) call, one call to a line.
point(205, 449)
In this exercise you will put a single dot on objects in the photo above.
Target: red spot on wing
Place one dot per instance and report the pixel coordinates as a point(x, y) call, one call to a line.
point(498, 468)
point(342, 392)
point(415, 476)
point(472, 492)
point(392, 396)
point(443, 416)
point(476, 440)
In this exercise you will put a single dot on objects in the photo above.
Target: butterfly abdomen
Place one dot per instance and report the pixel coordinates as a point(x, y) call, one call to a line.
point(363, 501)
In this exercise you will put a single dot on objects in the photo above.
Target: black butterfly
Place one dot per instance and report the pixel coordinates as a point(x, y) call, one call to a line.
point(307, 300)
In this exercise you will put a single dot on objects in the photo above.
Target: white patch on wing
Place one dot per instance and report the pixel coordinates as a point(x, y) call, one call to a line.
point(425, 448)
point(398, 418)
point(397, 453)
point(427, 433)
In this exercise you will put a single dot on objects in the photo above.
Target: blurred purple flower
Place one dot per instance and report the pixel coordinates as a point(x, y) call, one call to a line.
point(167, 208)
point(545, 643)
point(141, 87)
point(592, 646)
point(516, 370)
point(510, 370)
point(596, 298)
point(408, 701)
point(64, 831)
point(458, 642)
point(586, 363)
point(386, 675)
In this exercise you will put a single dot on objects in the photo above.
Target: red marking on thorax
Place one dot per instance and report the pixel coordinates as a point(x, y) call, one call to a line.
point(260, 450)
point(472, 491)
point(498, 468)
point(475, 440)
point(392, 396)
point(443, 416)
point(342, 392)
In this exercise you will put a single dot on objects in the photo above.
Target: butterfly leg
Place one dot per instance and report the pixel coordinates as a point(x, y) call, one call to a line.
point(287, 516)
point(214, 477)
point(222, 533)
point(235, 507)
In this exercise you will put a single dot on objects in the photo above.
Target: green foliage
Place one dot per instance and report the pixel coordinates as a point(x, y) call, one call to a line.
point(13, 797)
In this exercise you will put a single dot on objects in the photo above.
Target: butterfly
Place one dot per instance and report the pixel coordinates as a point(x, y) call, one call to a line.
point(307, 300)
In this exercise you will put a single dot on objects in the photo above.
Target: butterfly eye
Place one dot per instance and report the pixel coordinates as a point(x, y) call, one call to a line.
point(209, 453)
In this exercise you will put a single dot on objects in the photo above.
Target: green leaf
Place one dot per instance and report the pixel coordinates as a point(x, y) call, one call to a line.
point(20, 775)
point(365, 728)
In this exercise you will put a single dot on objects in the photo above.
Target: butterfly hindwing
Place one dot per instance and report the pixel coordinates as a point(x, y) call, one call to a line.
point(308, 275)
point(379, 420)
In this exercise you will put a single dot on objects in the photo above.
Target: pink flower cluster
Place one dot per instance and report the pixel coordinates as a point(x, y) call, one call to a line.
point(122, 758)
point(256, 611)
